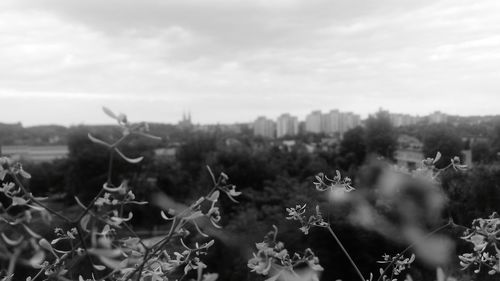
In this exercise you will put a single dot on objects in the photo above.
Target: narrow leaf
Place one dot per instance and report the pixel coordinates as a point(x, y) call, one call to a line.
point(24, 174)
point(80, 203)
point(212, 175)
point(130, 160)
point(199, 230)
point(85, 221)
point(149, 136)
point(31, 232)
point(11, 242)
point(109, 112)
point(98, 141)
point(438, 156)
point(99, 267)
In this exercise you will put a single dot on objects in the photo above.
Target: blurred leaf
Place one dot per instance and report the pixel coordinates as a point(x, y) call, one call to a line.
point(109, 113)
point(98, 141)
point(130, 160)
point(11, 242)
point(85, 221)
point(31, 232)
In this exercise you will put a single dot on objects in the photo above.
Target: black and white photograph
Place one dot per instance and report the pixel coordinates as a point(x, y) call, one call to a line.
point(249, 140)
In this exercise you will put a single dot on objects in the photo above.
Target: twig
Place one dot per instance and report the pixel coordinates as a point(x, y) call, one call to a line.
point(13, 261)
point(36, 201)
point(346, 253)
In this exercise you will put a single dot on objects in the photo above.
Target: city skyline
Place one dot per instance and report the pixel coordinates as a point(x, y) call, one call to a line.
point(188, 115)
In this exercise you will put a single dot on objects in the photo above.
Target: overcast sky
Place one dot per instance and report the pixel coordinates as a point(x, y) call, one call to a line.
point(232, 60)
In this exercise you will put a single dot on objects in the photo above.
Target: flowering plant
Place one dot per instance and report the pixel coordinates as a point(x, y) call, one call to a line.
point(100, 243)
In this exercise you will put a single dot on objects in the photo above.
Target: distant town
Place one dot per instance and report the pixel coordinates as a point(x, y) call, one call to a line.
point(333, 123)
point(47, 143)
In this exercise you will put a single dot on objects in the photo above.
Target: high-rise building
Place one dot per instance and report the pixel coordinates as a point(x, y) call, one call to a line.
point(438, 117)
point(287, 125)
point(331, 121)
point(399, 120)
point(264, 127)
point(314, 122)
point(350, 121)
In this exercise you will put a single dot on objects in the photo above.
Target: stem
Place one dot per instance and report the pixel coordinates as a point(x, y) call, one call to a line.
point(32, 198)
point(89, 206)
point(84, 245)
point(411, 246)
point(110, 166)
point(13, 261)
point(346, 253)
point(108, 181)
point(135, 234)
point(38, 274)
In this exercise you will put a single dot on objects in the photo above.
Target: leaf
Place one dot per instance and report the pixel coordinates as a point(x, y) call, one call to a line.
point(165, 217)
point(211, 175)
point(31, 232)
point(45, 244)
point(440, 274)
point(120, 189)
point(438, 156)
point(109, 113)
point(80, 203)
point(194, 215)
point(130, 160)
point(11, 242)
point(149, 136)
point(119, 220)
point(85, 221)
point(210, 277)
point(37, 259)
point(214, 197)
point(138, 202)
point(106, 229)
point(108, 253)
point(275, 277)
point(18, 201)
point(57, 240)
point(98, 141)
point(24, 174)
point(113, 264)
point(99, 267)
point(199, 230)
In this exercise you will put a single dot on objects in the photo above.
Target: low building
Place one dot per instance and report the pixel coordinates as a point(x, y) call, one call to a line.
point(409, 153)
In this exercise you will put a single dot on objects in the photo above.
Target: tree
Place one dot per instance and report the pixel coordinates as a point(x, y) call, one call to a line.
point(380, 135)
point(353, 146)
point(444, 139)
point(482, 152)
point(496, 140)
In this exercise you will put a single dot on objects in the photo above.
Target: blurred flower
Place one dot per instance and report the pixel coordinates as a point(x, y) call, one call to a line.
point(272, 257)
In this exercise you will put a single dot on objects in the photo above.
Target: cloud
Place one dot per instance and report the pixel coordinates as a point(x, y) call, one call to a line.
point(266, 57)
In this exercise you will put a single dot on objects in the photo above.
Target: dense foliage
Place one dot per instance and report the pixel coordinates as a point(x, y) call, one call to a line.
point(271, 178)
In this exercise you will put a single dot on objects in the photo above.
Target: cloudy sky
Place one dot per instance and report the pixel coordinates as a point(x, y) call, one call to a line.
point(232, 60)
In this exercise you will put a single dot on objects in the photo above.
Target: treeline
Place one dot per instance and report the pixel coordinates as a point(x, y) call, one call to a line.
point(271, 179)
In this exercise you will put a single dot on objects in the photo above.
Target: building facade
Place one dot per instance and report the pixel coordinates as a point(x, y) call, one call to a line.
point(264, 127)
point(314, 122)
point(287, 125)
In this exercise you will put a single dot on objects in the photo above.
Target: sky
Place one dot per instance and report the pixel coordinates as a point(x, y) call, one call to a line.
point(232, 60)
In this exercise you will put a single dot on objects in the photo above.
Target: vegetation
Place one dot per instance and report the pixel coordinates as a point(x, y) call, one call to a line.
point(86, 217)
